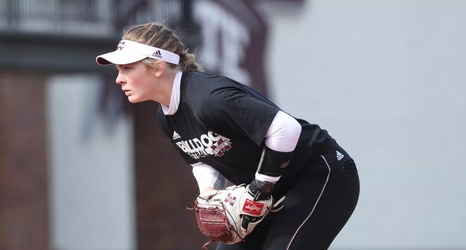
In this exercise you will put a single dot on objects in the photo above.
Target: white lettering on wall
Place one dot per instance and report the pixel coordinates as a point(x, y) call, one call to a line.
point(225, 39)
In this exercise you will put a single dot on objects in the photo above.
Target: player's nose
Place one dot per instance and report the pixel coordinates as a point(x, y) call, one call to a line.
point(120, 79)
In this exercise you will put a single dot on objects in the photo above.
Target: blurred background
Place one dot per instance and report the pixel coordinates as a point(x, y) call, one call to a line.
point(82, 169)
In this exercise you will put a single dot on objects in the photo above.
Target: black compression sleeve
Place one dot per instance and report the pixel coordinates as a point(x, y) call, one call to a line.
point(273, 163)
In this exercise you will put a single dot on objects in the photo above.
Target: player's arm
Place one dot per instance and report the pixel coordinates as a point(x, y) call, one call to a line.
point(280, 141)
point(208, 179)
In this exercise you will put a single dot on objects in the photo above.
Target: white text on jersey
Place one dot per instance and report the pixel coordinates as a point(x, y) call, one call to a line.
point(208, 144)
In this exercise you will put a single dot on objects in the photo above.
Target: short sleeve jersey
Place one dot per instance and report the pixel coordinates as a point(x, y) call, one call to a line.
point(219, 122)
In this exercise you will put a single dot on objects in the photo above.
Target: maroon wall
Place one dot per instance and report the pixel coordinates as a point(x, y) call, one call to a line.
point(24, 222)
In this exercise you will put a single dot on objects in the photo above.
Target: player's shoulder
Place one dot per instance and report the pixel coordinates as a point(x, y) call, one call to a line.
point(204, 92)
point(205, 80)
point(202, 86)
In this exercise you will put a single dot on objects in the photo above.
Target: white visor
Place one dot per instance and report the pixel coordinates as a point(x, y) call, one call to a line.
point(129, 52)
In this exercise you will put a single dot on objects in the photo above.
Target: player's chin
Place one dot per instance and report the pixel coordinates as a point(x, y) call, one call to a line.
point(134, 99)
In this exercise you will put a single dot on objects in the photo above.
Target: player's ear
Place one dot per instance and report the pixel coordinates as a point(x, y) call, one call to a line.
point(159, 68)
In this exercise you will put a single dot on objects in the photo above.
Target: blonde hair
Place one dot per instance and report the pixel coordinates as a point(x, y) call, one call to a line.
point(160, 36)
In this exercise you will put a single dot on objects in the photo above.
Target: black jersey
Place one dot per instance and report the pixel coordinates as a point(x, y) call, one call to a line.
point(223, 123)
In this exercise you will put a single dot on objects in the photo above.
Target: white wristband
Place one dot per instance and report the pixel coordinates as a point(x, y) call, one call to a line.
point(263, 177)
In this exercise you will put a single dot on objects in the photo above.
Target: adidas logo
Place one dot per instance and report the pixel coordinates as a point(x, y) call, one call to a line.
point(176, 136)
point(340, 156)
point(157, 54)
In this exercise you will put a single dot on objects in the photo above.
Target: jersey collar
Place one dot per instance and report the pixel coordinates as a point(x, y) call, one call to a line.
point(175, 97)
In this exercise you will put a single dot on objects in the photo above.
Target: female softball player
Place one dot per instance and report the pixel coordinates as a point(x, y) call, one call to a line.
point(228, 132)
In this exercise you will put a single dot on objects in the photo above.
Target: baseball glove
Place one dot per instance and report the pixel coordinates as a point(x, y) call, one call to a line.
point(229, 215)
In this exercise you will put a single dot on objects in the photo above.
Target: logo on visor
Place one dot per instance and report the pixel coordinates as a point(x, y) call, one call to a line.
point(157, 54)
point(121, 45)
